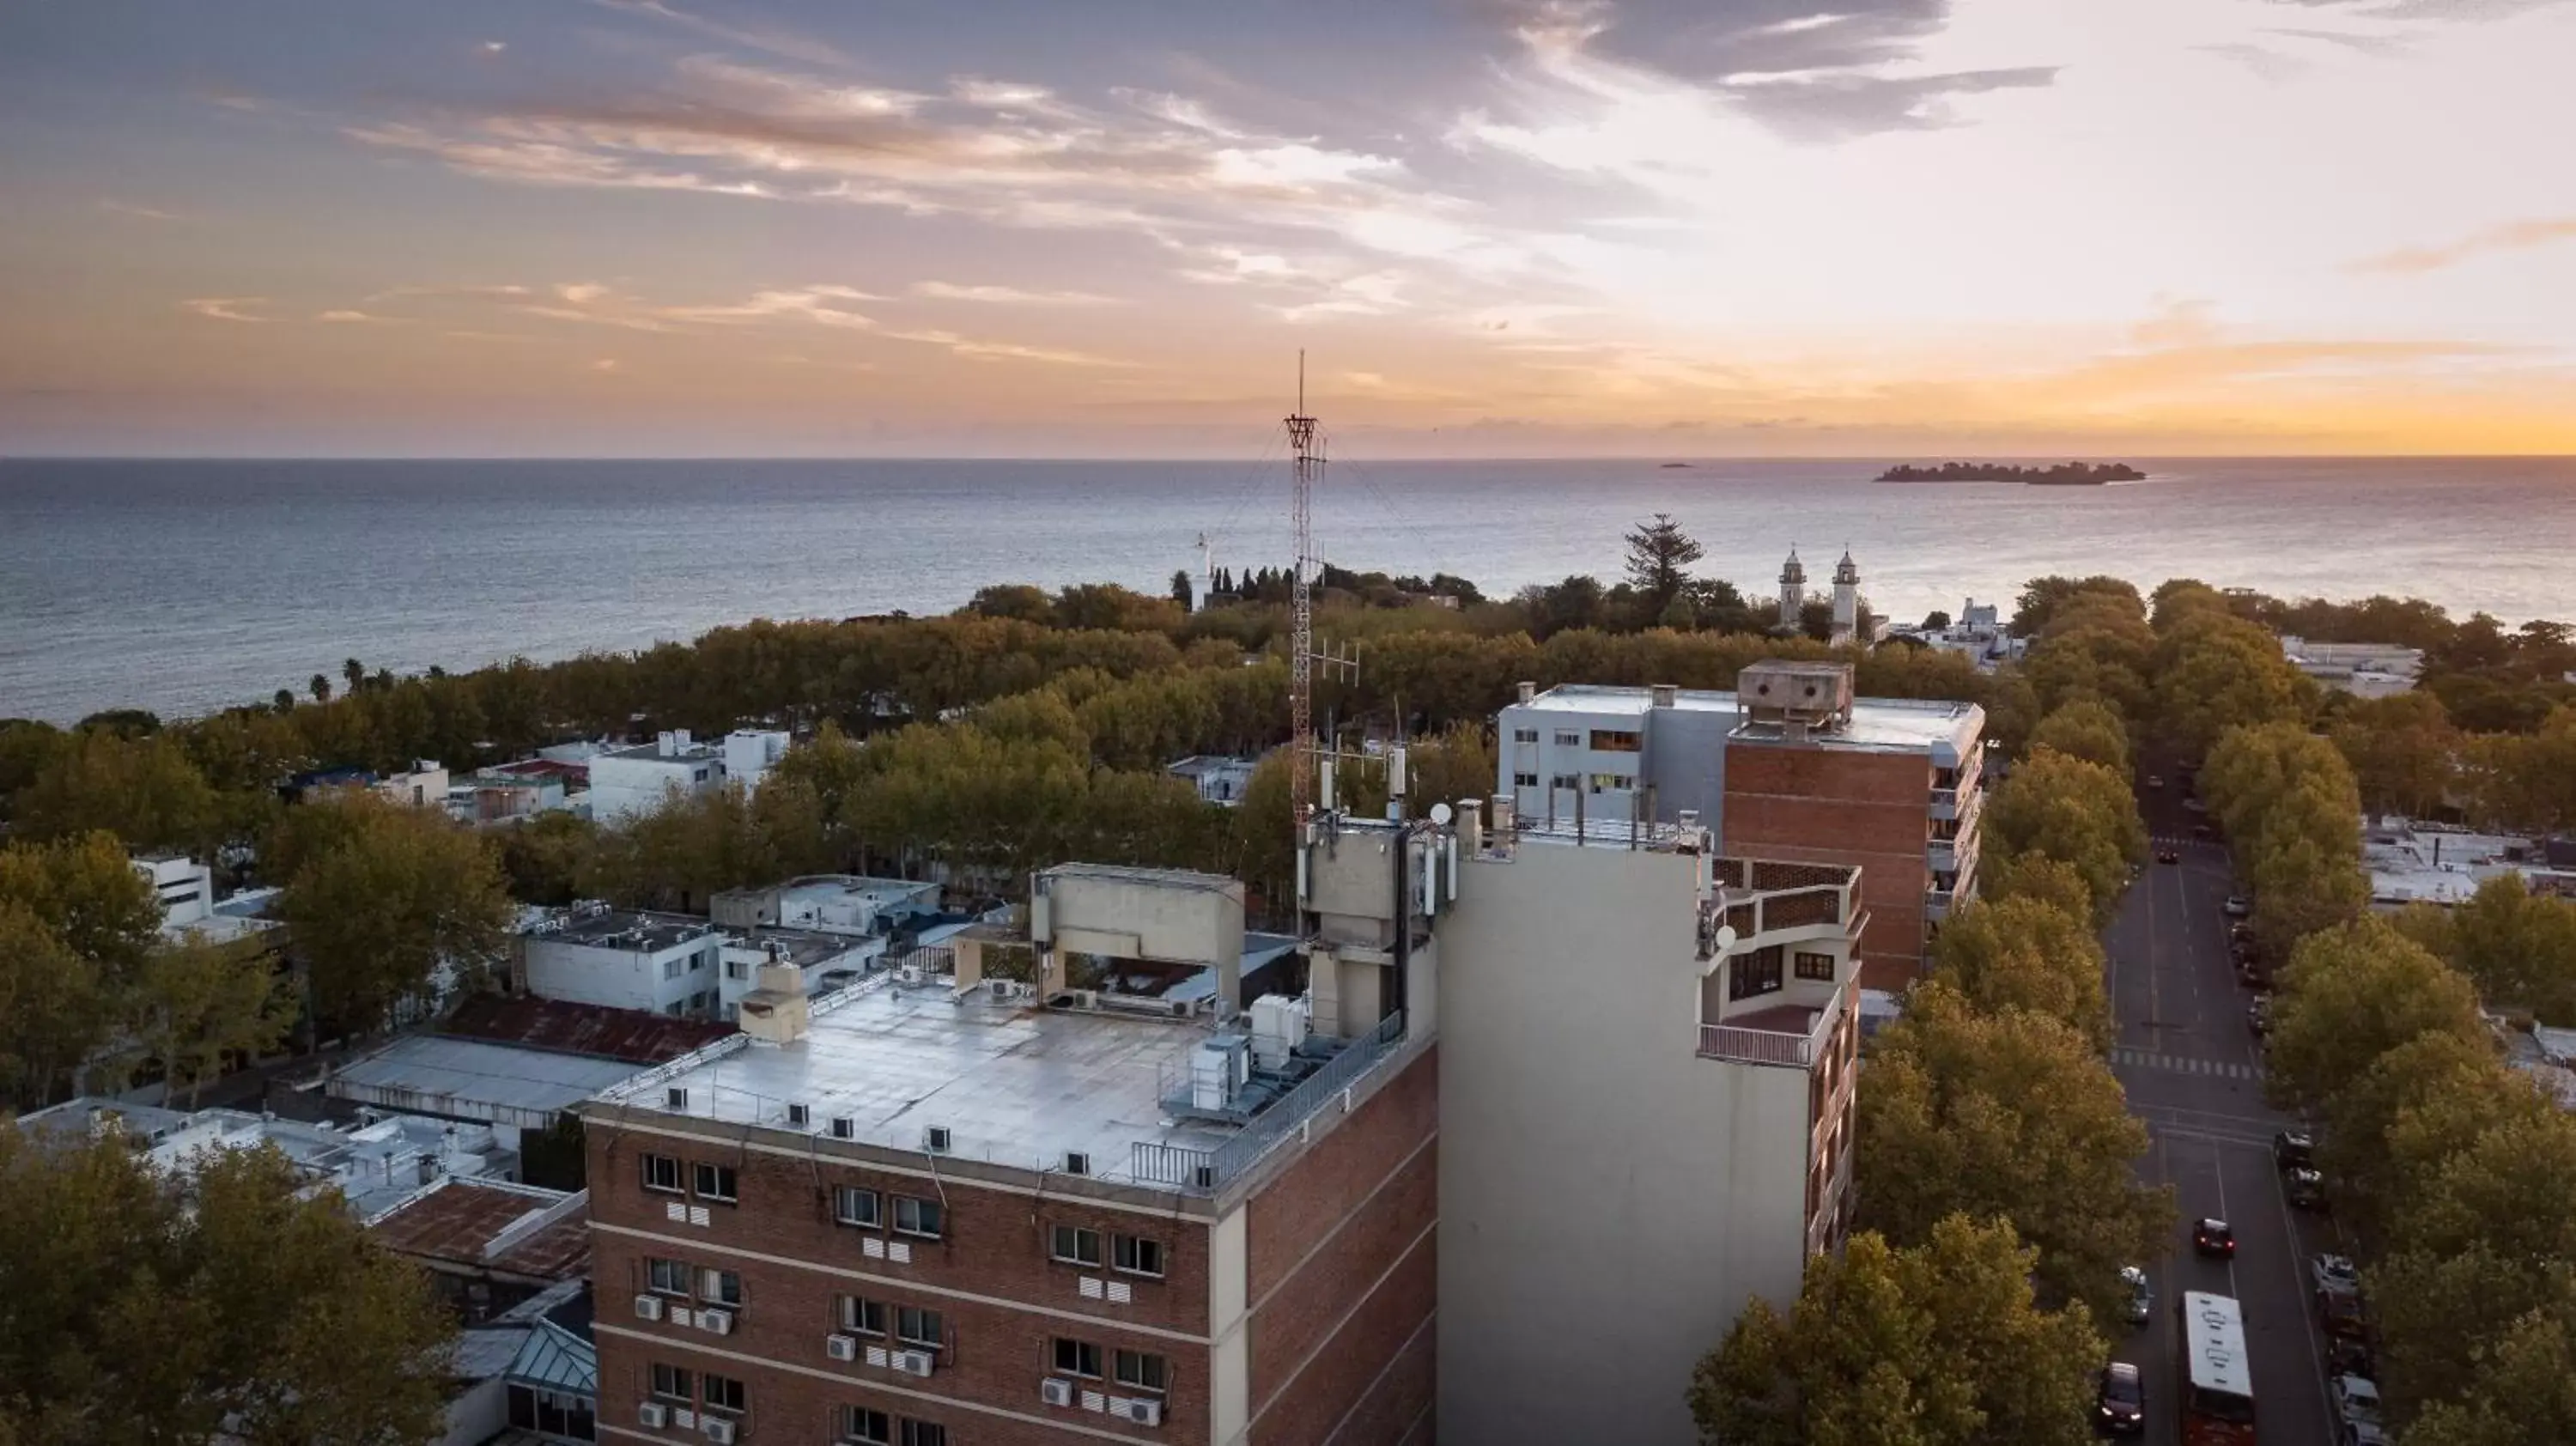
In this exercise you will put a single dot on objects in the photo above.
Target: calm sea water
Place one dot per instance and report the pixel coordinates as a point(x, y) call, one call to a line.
point(183, 586)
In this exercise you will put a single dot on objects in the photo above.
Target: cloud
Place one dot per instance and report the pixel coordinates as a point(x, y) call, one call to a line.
point(225, 308)
point(2178, 323)
point(780, 43)
point(147, 213)
point(2510, 236)
point(495, 47)
point(604, 364)
point(2465, 10)
point(343, 315)
point(2263, 61)
point(1006, 295)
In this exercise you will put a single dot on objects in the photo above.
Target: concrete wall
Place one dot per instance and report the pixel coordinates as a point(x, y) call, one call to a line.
point(1141, 916)
point(621, 788)
point(1607, 1198)
point(621, 978)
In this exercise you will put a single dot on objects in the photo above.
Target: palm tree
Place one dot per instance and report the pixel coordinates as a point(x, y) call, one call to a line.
point(355, 672)
point(321, 688)
point(285, 700)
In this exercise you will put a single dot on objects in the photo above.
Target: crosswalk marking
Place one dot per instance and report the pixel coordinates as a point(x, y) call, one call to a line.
point(2184, 1064)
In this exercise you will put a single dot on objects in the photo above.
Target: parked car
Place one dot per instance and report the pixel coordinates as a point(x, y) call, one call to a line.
point(2294, 1148)
point(2334, 1272)
point(2154, 782)
point(2249, 971)
point(2141, 1302)
point(2237, 906)
point(2362, 1433)
point(2120, 1402)
point(2258, 1015)
point(2339, 1311)
point(2350, 1356)
point(2305, 1189)
point(2168, 856)
point(2213, 1236)
point(2240, 933)
point(2356, 1400)
point(2202, 830)
point(2195, 805)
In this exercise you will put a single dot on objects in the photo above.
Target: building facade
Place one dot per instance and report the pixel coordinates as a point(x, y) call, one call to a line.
point(625, 959)
point(625, 782)
point(1789, 766)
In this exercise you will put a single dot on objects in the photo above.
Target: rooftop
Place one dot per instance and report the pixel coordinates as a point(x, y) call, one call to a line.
point(2409, 863)
point(696, 751)
point(600, 927)
point(1876, 723)
point(1016, 1084)
point(471, 1079)
point(850, 888)
point(469, 1223)
point(803, 948)
point(633, 1035)
point(372, 1165)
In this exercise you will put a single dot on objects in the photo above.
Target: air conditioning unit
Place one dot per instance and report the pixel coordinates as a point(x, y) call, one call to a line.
point(1076, 1163)
point(998, 988)
point(719, 1430)
point(1055, 1392)
point(648, 1307)
point(844, 1127)
point(1086, 999)
point(653, 1414)
point(1136, 1409)
point(936, 1139)
point(799, 1116)
point(716, 1322)
point(913, 1363)
point(841, 1348)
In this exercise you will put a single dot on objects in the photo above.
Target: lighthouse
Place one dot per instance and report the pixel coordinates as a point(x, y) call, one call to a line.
point(1846, 601)
point(1793, 590)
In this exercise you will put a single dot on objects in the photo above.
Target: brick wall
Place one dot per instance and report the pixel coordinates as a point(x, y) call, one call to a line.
point(1343, 1279)
point(1002, 1300)
point(1835, 805)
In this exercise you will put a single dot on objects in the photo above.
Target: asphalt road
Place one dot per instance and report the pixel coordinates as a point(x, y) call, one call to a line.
point(2193, 1072)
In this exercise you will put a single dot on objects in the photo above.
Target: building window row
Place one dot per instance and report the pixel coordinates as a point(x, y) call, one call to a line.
point(1128, 1370)
point(1524, 780)
point(678, 1277)
point(1617, 740)
point(868, 1426)
point(1613, 782)
point(1081, 1245)
point(911, 1324)
point(865, 1209)
point(1568, 738)
point(704, 1389)
point(720, 1184)
point(1524, 735)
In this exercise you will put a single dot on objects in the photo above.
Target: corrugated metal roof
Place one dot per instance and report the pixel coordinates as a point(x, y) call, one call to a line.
point(470, 1079)
point(458, 1220)
point(634, 1035)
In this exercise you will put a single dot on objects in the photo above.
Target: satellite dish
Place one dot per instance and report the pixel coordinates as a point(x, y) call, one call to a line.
point(1440, 813)
point(1725, 938)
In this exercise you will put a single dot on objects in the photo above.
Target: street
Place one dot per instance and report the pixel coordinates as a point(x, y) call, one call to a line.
point(2192, 1069)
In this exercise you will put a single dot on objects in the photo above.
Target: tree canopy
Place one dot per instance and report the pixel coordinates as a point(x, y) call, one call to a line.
point(2074, 811)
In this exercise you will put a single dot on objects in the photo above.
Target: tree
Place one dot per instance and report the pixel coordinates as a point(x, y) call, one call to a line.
point(545, 858)
point(2024, 953)
point(200, 1002)
point(2036, 876)
point(1939, 1344)
point(2086, 729)
point(2403, 751)
point(222, 1305)
point(356, 673)
point(1182, 588)
point(2518, 948)
point(2215, 672)
point(83, 890)
point(143, 790)
point(2072, 810)
point(2349, 995)
point(384, 903)
point(2388, 1132)
point(2521, 1390)
point(321, 688)
point(54, 1009)
point(2041, 597)
point(1659, 559)
point(2010, 1115)
point(1935, 621)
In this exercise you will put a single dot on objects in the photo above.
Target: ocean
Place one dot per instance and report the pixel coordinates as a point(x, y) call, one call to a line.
point(184, 586)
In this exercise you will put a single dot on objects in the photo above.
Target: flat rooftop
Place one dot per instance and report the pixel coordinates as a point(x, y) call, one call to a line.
point(1885, 723)
point(627, 929)
point(2407, 864)
point(855, 888)
point(698, 751)
point(472, 1079)
point(803, 948)
point(1016, 1084)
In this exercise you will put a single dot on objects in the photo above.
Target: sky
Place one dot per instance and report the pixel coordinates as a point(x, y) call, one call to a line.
point(1109, 227)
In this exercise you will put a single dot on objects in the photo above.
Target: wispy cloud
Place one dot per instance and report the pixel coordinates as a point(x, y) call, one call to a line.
point(783, 44)
point(147, 213)
point(346, 316)
point(1006, 295)
point(2510, 236)
point(225, 308)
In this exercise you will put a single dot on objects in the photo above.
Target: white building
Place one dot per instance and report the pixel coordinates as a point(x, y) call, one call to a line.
point(186, 891)
point(2365, 670)
point(592, 954)
point(1848, 622)
point(1978, 633)
point(823, 962)
point(749, 754)
point(827, 903)
point(1219, 780)
point(423, 785)
point(373, 1164)
point(626, 782)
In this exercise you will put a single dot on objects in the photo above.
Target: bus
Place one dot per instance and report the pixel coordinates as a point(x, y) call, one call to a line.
point(2214, 1387)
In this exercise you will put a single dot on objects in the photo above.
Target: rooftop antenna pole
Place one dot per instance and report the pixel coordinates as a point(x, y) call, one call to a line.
point(1301, 667)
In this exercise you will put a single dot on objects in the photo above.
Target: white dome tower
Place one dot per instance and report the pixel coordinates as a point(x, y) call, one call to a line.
point(1793, 589)
point(1846, 601)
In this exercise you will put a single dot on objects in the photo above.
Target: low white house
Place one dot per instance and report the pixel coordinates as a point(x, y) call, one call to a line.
point(825, 961)
point(186, 890)
point(625, 782)
point(592, 954)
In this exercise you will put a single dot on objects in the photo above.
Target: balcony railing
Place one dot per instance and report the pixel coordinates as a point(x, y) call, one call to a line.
point(1771, 1046)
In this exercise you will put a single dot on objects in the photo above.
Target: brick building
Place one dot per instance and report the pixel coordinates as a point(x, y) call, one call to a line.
point(939, 1210)
point(1788, 766)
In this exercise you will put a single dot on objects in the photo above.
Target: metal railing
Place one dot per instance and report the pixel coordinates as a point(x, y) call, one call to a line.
point(1772, 1046)
point(1204, 1172)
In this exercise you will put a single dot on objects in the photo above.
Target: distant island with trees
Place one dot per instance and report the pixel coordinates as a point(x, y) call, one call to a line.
point(2064, 474)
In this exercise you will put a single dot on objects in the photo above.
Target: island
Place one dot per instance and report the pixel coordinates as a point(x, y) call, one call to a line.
point(1678, 466)
point(2064, 474)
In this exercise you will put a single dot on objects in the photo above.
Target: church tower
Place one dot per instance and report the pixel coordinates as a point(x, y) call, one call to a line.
point(1846, 601)
point(1793, 589)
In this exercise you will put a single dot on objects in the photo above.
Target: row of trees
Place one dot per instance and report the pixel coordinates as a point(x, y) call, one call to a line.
point(1994, 1159)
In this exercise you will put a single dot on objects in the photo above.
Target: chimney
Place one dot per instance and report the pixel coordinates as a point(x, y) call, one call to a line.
point(1529, 692)
point(1666, 695)
point(1471, 826)
point(776, 1011)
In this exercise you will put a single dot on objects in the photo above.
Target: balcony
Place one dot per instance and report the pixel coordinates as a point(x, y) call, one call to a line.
point(1936, 903)
point(1785, 1035)
point(1778, 903)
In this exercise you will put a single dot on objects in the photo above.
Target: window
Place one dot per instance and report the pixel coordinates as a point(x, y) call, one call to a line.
point(918, 1327)
point(1524, 735)
point(924, 1433)
point(670, 1277)
point(672, 969)
point(1570, 782)
point(720, 1286)
point(1524, 780)
point(1616, 740)
point(703, 959)
point(1754, 973)
point(1140, 1371)
point(661, 1172)
point(698, 1002)
point(1613, 782)
point(854, 1206)
point(737, 969)
point(724, 1393)
point(671, 1381)
point(1138, 1256)
point(1076, 1358)
point(861, 1316)
point(917, 1217)
point(1568, 738)
point(1815, 966)
point(862, 1426)
point(713, 1182)
point(1075, 1245)
point(555, 1413)
point(699, 777)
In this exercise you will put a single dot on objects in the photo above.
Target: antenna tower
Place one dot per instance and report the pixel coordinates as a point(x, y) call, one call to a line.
point(1301, 667)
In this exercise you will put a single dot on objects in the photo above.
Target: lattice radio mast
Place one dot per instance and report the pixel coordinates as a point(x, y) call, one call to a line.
point(1301, 667)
